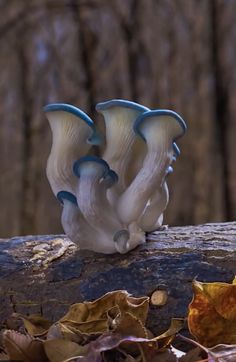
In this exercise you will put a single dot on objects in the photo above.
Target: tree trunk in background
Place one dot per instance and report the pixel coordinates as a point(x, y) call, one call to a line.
point(177, 54)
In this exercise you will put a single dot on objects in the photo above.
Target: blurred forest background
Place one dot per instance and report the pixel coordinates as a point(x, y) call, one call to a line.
point(176, 54)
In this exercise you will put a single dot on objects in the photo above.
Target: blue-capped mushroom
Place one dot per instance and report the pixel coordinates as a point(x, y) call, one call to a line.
point(122, 146)
point(110, 203)
point(159, 129)
point(73, 133)
point(95, 177)
point(74, 224)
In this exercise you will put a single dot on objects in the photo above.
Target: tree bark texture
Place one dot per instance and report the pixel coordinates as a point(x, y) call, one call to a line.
point(177, 54)
point(45, 274)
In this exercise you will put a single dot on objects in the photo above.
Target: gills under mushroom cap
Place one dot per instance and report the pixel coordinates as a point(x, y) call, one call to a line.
point(91, 165)
point(73, 132)
point(95, 177)
point(110, 202)
point(95, 138)
point(159, 129)
point(65, 195)
point(174, 120)
point(120, 116)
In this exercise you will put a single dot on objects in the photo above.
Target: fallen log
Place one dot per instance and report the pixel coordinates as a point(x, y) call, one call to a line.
point(45, 274)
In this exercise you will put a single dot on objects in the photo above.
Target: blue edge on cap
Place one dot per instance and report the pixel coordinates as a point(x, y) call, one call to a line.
point(176, 149)
point(113, 176)
point(66, 195)
point(122, 103)
point(95, 139)
point(159, 112)
point(107, 171)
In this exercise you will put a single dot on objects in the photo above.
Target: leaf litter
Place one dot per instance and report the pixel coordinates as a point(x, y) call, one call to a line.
point(113, 329)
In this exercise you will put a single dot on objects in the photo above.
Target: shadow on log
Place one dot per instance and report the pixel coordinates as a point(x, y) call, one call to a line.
point(45, 274)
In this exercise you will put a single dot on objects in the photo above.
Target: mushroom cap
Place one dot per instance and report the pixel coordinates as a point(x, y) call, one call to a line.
point(111, 178)
point(103, 106)
point(66, 195)
point(122, 145)
point(121, 240)
point(98, 165)
point(95, 138)
point(158, 113)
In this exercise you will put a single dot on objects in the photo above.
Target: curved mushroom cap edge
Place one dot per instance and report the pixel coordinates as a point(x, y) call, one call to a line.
point(66, 195)
point(111, 178)
point(95, 138)
point(159, 112)
point(86, 159)
point(102, 106)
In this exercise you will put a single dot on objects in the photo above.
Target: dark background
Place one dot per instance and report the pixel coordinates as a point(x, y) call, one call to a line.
point(177, 54)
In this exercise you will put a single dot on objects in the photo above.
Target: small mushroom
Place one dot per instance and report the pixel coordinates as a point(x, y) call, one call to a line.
point(73, 222)
point(119, 118)
point(159, 129)
point(95, 177)
point(73, 133)
point(76, 227)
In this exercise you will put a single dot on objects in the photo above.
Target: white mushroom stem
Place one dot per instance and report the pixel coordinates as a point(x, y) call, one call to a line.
point(74, 224)
point(152, 216)
point(119, 118)
point(73, 132)
point(94, 174)
point(159, 129)
point(137, 157)
point(158, 223)
point(137, 236)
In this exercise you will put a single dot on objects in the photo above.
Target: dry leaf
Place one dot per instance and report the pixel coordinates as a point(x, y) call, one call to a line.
point(127, 324)
point(223, 353)
point(148, 348)
point(91, 319)
point(59, 350)
point(150, 354)
point(165, 339)
point(97, 310)
point(130, 325)
point(212, 313)
point(194, 355)
point(54, 332)
point(23, 347)
point(113, 325)
point(34, 324)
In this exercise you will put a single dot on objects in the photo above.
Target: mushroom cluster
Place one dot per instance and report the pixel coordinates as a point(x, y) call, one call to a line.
point(110, 202)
